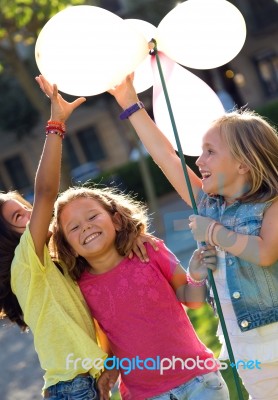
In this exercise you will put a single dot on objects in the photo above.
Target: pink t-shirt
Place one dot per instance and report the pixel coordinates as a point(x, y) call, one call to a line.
point(137, 308)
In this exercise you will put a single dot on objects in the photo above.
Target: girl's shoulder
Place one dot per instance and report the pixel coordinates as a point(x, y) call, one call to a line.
point(271, 208)
point(163, 259)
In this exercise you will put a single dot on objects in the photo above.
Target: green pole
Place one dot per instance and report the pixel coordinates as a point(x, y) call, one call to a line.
point(195, 209)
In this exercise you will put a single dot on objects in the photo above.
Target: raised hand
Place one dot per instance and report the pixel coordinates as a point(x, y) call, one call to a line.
point(60, 108)
point(125, 93)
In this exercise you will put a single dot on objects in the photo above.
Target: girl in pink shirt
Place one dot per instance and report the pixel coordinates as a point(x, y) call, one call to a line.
point(138, 305)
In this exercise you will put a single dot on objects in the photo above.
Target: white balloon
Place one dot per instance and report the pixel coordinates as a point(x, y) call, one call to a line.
point(143, 74)
point(87, 50)
point(194, 105)
point(202, 34)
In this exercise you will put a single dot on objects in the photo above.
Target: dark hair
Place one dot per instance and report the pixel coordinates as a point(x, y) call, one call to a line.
point(9, 239)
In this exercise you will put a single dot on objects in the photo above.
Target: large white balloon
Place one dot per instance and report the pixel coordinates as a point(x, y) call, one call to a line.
point(143, 75)
point(202, 34)
point(87, 50)
point(194, 104)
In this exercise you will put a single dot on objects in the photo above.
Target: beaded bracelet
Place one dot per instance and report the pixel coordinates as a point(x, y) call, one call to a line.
point(57, 124)
point(56, 128)
point(193, 282)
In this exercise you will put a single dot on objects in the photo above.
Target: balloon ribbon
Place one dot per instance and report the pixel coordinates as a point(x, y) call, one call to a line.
point(194, 206)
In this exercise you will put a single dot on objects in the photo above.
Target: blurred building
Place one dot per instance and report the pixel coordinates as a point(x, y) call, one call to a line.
point(97, 138)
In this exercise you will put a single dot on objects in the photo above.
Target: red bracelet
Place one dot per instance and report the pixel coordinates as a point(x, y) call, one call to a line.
point(56, 128)
point(56, 124)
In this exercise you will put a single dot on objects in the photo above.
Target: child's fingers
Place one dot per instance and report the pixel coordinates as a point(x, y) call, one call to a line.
point(212, 267)
point(209, 262)
point(46, 87)
point(151, 240)
point(140, 250)
point(208, 252)
point(76, 103)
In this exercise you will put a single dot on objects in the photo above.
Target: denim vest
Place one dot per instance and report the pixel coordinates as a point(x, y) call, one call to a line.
point(253, 289)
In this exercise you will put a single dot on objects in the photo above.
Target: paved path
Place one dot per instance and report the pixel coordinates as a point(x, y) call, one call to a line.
point(21, 375)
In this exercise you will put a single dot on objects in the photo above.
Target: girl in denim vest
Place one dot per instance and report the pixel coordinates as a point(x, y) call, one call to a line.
point(238, 214)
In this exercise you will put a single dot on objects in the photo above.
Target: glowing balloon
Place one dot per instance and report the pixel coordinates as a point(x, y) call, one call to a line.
point(202, 34)
point(143, 75)
point(194, 104)
point(86, 50)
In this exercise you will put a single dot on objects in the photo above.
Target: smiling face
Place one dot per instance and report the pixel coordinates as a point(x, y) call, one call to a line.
point(221, 173)
point(89, 229)
point(16, 214)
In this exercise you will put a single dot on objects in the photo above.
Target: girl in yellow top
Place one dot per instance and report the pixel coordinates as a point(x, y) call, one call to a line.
point(33, 291)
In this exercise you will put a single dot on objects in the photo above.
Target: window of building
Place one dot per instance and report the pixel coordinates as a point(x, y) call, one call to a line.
point(267, 67)
point(91, 144)
point(17, 172)
point(71, 156)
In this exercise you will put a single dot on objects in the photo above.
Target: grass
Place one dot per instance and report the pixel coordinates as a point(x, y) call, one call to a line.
point(205, 324)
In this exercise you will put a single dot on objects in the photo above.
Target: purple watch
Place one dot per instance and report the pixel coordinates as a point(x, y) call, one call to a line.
point(132, 109)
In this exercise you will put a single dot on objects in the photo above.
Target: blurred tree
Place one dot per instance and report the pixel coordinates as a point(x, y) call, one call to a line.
point(20, 23)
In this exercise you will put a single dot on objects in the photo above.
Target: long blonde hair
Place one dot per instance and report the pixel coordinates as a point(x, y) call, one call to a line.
point(253, 141)
point(134, 221)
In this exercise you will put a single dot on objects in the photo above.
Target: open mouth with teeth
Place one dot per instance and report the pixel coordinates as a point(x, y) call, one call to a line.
point(205, 175)
point(91, 237)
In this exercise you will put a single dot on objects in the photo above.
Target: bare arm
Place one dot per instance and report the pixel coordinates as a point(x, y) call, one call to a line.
point(108, 377)
point(190, 295)
point(47, 178)
point(156, 143)
point(260, 250)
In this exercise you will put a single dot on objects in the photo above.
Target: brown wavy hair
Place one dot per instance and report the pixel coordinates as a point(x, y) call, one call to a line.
point(134, 221)
point(9, 239)
point(253, 141)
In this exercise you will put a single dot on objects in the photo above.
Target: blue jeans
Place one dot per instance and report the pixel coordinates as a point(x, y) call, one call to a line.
point(210, 386)
point(79, 388)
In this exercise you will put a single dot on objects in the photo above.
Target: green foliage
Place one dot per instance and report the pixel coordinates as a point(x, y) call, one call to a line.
point(270, 111)
point(128, 178)
point(20, 24)
point(20, 19)
point(205, 324)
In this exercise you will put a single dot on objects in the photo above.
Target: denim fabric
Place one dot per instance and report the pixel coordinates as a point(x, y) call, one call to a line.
point(253, 289)
point(210, 386)
point(79, 388)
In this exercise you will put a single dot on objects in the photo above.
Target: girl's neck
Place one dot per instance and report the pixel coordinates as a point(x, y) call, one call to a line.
point(229, 201)
point(104, 263)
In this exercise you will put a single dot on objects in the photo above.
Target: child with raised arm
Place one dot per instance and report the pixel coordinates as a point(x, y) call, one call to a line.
point(237, 202)
point(34, 292)
point(135, 303)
